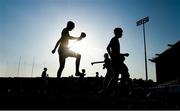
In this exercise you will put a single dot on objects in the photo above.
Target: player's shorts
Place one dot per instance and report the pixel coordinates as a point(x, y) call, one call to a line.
point(67, 53)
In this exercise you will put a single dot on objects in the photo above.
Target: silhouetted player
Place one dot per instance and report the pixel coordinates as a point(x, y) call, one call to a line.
point(109, 74)
point(64, 50)
point(117, 59)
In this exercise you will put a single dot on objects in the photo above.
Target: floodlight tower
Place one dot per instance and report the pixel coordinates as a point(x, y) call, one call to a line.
point(138, 23)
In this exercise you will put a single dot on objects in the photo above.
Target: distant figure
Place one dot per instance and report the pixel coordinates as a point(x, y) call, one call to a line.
point(44, 74)
point(97, 74)
point(109, 73)
point(83, 73)
point(117, 59)
point(64, 50)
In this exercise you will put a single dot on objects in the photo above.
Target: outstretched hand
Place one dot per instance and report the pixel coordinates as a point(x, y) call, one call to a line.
point(83, 35)
point(126, 54)
point(53, 51)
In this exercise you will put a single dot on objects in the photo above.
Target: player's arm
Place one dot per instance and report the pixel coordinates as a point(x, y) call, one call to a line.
point(125, 54)
point(73, 38)
point(78, 38)
point(58, 42)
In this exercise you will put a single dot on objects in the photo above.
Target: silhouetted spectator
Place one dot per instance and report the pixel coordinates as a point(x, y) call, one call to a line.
point(97, 74)
point(83, 73)
point(44, 73)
